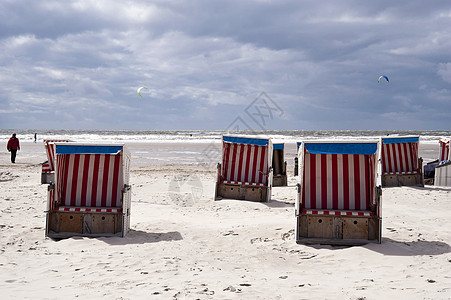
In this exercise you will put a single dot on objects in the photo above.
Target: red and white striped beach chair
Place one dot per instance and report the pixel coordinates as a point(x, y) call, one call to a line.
point(442, 175)
point(338, 198)
point(245, 172)
point(444, 149)
point(296, 160)
point(279, 165)
point(48, 167)
point(401, 164)
point(91, 194)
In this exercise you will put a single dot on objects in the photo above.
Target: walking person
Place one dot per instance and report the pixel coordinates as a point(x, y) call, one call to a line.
point(13, 146)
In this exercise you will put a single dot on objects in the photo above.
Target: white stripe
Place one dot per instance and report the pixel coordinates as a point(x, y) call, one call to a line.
point(392, 157)
point(70, 173)
point(120, 182)
point(318, 176)
point(79, 180)
point(265, 164)
point(251, 164)
point(330, 178)
point(229, 166)
point(257, 165)
point(362, 180)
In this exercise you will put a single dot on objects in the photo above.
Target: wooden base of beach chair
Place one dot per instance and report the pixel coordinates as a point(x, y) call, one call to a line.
point(279, 180)
point(68, 224)
point(241, 192)
point(338, 230)
point(390, 180)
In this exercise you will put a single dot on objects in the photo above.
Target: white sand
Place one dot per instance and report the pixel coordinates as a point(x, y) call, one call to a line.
point(182, 247)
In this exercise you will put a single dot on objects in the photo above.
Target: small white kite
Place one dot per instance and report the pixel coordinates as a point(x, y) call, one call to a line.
point(139, 90)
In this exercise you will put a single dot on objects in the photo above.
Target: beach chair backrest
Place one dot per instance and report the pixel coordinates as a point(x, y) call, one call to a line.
point(338, 176)
point(50, 151)
point(246, 159)
point(399, 154)
point(90, 175)
point(444, 149)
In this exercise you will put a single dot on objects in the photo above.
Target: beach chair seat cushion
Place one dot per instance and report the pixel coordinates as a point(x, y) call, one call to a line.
point(89, 209)
point(243, 183)
point(400, 173)
point(331, 212)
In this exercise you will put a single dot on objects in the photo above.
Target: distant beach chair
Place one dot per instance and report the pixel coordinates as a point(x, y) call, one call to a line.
point(444, 149)
point(91, 193)
point(48, 167)
point(401, 164)
point(442, 175)
point(245, 172)
point(279, 165)
point(339, 197)
point(296, 162)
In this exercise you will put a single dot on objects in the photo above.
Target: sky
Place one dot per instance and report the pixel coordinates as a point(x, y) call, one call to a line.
point(247, 64)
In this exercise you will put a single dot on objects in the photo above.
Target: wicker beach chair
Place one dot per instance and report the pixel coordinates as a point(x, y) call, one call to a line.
point(401, 164)
point(339, 197)
point(91, 193)
point(279, 165)
point(245, 172)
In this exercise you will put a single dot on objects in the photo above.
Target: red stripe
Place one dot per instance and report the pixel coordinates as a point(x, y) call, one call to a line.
point(389, 159)
point(65, 162)
point(114, 194)
point(399, 159)
point(303, 204)
point(312, 187)
point(408, 164)
point(73, 194)
point(84, 186)
point(345, 181)
point(106, 165)
point(324, 176)
point(262, 171)
point(225, 164)
point(357, 179)
point(335, 181)
point(95, 178)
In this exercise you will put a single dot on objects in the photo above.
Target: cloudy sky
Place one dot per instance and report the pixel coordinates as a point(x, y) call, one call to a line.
point(78, 64)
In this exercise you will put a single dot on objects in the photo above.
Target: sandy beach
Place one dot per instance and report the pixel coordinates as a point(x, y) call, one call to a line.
point(184, 245)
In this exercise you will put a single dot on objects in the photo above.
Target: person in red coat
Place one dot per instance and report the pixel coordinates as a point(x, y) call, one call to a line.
point(13, 146)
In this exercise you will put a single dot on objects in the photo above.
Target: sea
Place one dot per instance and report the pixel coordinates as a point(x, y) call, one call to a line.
point(214, 136)
point(196, 147)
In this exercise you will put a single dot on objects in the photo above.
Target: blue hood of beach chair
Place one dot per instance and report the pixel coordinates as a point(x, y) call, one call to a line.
point(341, 148)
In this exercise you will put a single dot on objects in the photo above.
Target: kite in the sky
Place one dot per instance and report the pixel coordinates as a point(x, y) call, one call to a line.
point(383, 76)
point(139, 90)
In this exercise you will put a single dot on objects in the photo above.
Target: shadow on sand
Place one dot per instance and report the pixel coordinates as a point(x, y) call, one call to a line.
point(421, 247)
point(143, 237)
point(391, 247)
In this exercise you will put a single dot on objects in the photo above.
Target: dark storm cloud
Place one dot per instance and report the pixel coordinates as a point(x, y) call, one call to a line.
point(77, 64)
